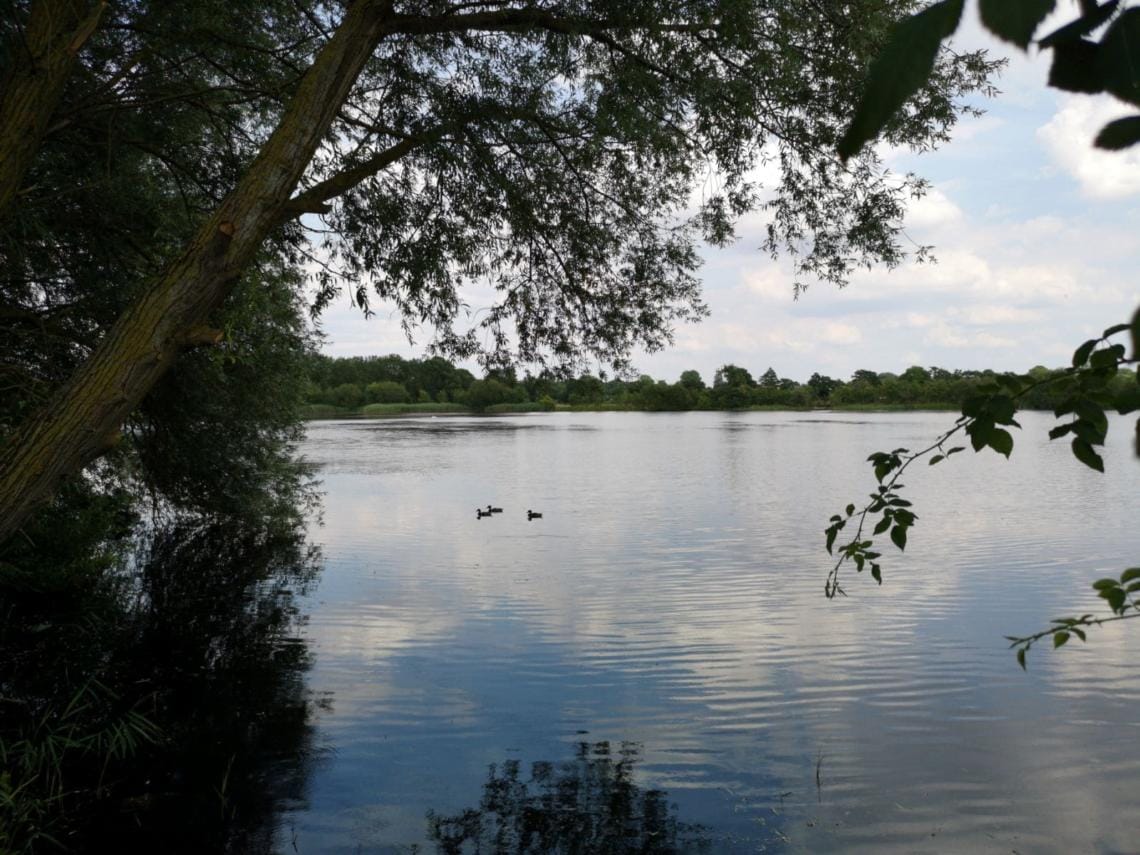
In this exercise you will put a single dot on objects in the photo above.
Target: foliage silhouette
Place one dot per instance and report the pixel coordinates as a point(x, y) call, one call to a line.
point(1089, 388)
point(161, 705)
point(589, 804)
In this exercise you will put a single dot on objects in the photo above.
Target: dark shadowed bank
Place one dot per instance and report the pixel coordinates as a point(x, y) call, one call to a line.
point(155, 697)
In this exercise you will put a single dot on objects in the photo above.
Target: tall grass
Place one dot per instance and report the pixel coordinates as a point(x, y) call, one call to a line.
point(89, 731)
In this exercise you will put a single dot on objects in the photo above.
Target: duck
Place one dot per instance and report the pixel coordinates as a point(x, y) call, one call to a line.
point(532, 515)
point(491, 510)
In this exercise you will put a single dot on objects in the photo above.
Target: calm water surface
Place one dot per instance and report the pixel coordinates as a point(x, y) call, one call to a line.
point(667, 612)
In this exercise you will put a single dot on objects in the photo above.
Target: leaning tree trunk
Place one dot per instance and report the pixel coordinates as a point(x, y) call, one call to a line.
point(83, 418)
point(41, 59)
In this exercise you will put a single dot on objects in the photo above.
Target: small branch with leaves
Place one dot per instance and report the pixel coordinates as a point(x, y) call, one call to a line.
point(1120, 594)
point(1086, 391)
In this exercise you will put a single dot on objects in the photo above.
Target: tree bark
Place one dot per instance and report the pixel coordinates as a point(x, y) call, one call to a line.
point(73, 428)
point(41, 62)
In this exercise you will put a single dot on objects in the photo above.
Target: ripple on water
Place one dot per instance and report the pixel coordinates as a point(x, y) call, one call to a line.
point(672, 596)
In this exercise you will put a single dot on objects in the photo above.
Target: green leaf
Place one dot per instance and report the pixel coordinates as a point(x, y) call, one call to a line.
point(1021, 658)
point(1001, 441)
point(1059, 638)
point(883, 525)
point(1015, 20)
point(876, 573)
point(1075, 67)
point(1084, 453)
point(1108, 356)
point(1117, 328)
point(1084, 24)
point(1079, 633)
point(1001, 408)
point(973, 405)
point(904, 517)
point(850, 510)
point(1081, 354)
point(1089, 432)
point(831, 534)
point(898, 535)
point(1115, 599)
point(1122, 133)
point(1117, 60)
point(979, 431)
point(1127, 400)
point(1130, 574)
point(955, 450)
point(1060, 430)
point(938, 458)
point(900, 70)
point(1105, 584)
point(1092, 414)
point(1011, 381)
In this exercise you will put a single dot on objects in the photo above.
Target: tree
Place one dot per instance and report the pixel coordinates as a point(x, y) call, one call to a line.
point(733, 375)
point(823, 385)
point(585, 390)
point(915, 374)
point(692, 380)
point(386, 392)
point(487, 393)
point(590, 803)
point(1100, 377)
point(551, 179)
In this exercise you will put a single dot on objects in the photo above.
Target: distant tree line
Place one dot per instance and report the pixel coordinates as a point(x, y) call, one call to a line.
point(357, 382)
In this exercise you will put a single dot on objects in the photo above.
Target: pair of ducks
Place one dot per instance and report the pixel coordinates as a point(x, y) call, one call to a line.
point(480, 513)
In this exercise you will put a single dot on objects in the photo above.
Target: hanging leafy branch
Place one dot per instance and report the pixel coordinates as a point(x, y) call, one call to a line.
point(1087, 393)
point(1120, 594)
point(1080, 63)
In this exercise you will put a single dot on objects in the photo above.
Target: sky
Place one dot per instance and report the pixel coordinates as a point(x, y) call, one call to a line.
point(1033, 231)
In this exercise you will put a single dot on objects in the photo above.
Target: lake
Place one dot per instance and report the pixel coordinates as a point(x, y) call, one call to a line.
point(653, 661)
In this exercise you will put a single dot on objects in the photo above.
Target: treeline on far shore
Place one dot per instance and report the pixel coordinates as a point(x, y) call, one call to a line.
point(385, 385)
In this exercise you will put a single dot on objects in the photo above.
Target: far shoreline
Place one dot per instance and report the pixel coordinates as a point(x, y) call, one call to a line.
point(317, 413)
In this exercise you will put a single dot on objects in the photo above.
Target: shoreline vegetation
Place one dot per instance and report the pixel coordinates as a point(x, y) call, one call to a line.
point(325, 412)
point(391, 386)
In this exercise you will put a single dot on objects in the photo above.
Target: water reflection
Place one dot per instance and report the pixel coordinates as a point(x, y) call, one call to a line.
point(588, 804)
point(673, 595)
point(197, 636)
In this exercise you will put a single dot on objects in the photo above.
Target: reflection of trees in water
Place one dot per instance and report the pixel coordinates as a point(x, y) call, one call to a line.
point(587, 805)
point(198, 637)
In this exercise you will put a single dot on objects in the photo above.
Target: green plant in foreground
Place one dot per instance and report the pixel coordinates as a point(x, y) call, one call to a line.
point(1080, 63)
point(36, 760)
point(1087, 392)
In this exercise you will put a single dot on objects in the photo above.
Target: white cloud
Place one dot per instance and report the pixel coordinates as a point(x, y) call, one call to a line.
point(934, 210)
point(945, 335)
point(769, 282)
point(834, 332)
point(993, 314)
point(1068, 138)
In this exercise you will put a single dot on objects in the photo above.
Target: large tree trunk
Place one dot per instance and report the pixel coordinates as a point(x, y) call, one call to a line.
point(82, 419)
point(40, 60)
